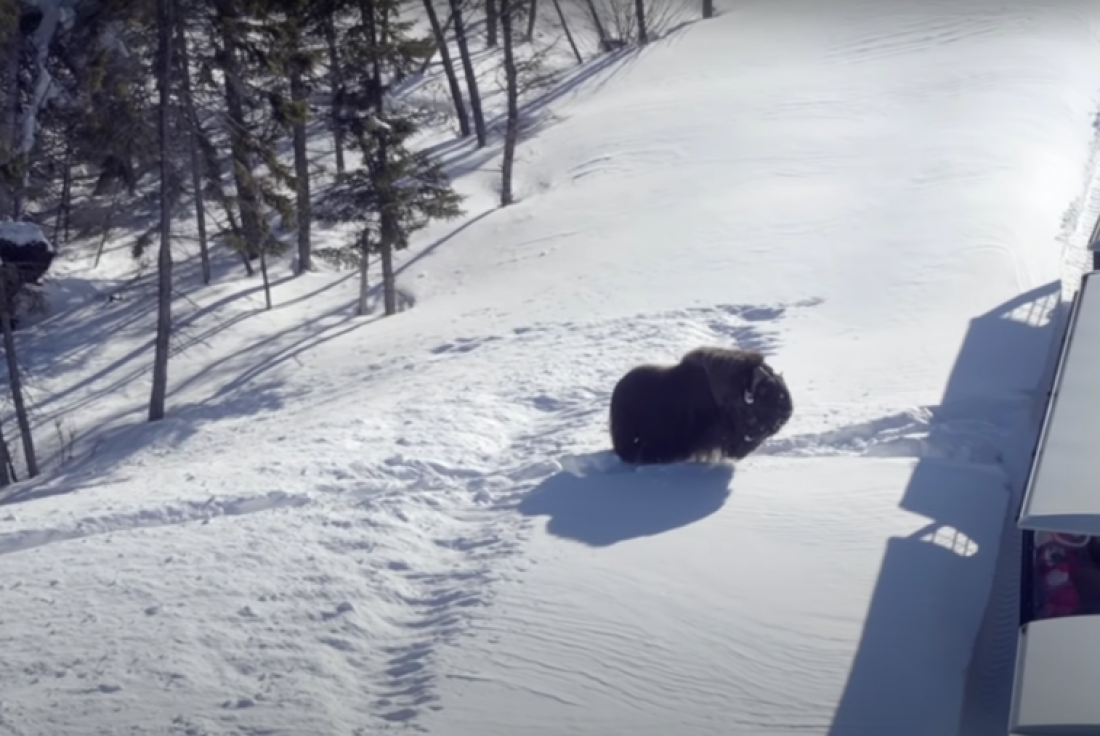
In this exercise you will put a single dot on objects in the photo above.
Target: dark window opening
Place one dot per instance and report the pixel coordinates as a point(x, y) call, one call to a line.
point(1063, 575)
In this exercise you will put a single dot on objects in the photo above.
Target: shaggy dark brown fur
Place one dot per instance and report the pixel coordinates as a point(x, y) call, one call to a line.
point(28, 261)
point(21, 265)
point(714, 403)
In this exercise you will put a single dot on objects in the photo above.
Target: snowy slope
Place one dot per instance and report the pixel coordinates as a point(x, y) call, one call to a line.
point(348, 525)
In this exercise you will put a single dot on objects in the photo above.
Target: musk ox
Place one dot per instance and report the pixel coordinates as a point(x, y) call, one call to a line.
point(25, 250)
point(25, 256)
point(715, 403)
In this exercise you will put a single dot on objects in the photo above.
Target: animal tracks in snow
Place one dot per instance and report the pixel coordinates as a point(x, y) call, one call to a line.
point(913, 34)
point(438, 502)
point(749, 326)
point(976, 431)
point(404, 521)
point(166, 515)
point(462, 345)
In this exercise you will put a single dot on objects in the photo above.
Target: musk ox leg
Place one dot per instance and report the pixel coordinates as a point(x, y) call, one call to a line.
point(662, 414)
point(737, 446)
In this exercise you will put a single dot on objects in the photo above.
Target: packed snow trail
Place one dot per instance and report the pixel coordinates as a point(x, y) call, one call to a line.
point(350, 525)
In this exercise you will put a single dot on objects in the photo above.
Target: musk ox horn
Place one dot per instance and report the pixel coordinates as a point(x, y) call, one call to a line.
point(760, 373)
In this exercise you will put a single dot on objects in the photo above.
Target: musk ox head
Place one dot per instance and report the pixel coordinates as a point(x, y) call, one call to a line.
point(753, 400)
point(767, 405)
point(715, 402)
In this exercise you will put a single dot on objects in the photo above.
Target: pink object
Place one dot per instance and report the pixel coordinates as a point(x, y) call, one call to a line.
point(1056, 567)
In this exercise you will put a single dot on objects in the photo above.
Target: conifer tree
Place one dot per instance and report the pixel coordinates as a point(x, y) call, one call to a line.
point(253, 129)
point(290, 56)
point(396, 191)
point(230, 25)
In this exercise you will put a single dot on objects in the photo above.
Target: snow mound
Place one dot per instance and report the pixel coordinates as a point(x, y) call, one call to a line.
point(22, 233)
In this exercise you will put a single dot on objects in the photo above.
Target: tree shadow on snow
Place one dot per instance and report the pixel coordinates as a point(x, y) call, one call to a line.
point(962, 540)
point(604, 508)
point(129, 432)
point(431, 247)
point(461, 156)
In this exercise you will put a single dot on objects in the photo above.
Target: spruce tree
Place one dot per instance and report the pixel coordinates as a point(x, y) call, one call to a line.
point(291, 57)
point(396, 191)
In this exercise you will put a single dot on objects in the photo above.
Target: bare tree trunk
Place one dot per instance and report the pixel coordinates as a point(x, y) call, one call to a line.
point(448, 69)
point(195, 133)
point(247, 261)
point(708, 8)
point(491, 23)
point(639, 11)
point(8, 286)
point(336, 83)
point(389, 278)
point(370, 22)
point(9, 121)
point(6, 465)
point(108, 223)
point(512, 131)
point(214, 187)
point(601, 32)
point(10, 461)
point(446, 27)
point(301, 172)
point(194, 128)
point(20, 187)
point(264, 276)
point(159, 391)
point(384, 35)
point(247, 197)
point(65, 204)
point(363, 308)
point(532, 11)
point(568, 33)
point(471, 78)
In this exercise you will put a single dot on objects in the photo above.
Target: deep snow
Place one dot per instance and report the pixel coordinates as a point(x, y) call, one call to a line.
point(23, 233)
point(347, 525)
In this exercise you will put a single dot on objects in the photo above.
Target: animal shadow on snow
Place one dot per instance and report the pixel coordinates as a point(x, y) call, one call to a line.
point(604, 508)
point(913, 592)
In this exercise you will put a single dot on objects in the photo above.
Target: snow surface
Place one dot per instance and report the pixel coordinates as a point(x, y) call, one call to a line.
point(20, 233)
point(348, 525)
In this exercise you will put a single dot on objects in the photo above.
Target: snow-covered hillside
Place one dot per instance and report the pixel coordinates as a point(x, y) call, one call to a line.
point(349, 525)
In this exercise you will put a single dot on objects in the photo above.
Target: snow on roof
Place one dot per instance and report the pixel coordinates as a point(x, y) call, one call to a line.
point(23, 233)
point(1061, 492)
